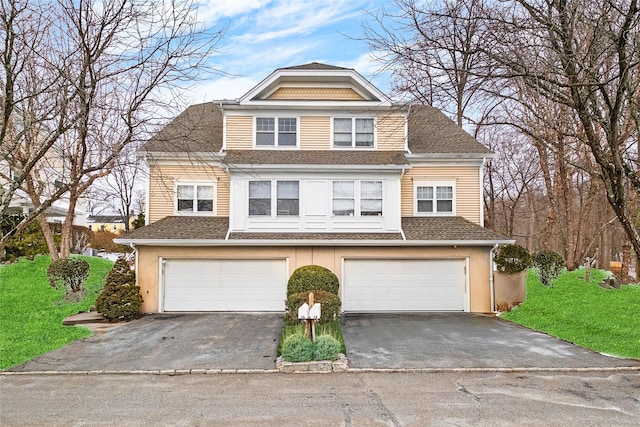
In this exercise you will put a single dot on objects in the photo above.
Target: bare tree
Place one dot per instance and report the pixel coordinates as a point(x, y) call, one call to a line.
point(582, 56)
point(120, 191)
point(433, 51)
point(109, 69)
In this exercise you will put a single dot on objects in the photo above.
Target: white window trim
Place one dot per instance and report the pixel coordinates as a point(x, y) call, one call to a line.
point(275, 127)
point(274, 198)
point(434, 184)
point(195, 212)
point(353, 133)
point(357, 194)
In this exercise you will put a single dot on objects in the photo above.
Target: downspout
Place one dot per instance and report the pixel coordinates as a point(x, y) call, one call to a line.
point(226, 166)
point(135, 258)
point(401, 230)
point(493, 296)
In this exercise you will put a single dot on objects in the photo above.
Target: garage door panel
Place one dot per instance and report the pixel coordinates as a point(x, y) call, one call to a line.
point(225, 285)
point(404, 285)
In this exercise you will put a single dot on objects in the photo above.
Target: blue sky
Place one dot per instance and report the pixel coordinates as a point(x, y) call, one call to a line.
point(263, 35)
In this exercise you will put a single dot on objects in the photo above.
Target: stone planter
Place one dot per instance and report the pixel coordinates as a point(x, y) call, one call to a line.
point(320, 366)
point(509, 289)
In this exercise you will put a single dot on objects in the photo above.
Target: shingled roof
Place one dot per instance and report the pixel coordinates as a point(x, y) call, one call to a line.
point(198, 129)
point(201, 228)
point(314, 66)
point(431, 132)
point(308, 157)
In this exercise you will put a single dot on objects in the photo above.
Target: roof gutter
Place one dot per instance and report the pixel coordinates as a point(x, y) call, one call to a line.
point(308, 242)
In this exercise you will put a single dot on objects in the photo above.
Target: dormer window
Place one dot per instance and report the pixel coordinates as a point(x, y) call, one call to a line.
point(354, 132)
point(276, 132)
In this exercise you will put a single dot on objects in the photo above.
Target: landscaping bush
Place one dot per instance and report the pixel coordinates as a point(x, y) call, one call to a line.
point(297, 348)
point(120, 299)
point(512, 259)
point(69, 274)
point(549, 265)
point(327, 348)
point(329, 305)
point(312, 278)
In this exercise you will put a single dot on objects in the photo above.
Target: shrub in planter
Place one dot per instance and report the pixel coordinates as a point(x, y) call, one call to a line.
point(329, 304)
point(312, 278)
point(69, 274)
point(120, 299)
point(549, 265)
point(297, 348)
point(327, 348)
point(512, 259)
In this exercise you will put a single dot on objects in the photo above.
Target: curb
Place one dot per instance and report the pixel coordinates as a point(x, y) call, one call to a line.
point(177, 372)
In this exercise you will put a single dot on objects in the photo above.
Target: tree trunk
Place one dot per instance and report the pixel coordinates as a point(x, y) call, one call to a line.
point(626, 260)
point(48, 237)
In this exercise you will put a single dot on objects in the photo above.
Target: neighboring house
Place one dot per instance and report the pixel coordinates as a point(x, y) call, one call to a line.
point(314, 165)
point(21, 204)
point(111, 223)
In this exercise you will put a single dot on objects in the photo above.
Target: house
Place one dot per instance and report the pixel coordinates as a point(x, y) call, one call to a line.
point(111, 223)
point(314, 165)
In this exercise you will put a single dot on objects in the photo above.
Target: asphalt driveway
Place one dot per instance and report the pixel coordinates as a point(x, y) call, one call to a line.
point(459, 340)
point(232, 341)
point(173, 342)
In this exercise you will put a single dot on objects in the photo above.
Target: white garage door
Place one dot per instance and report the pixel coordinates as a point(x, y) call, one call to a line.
point(403, 285)
point(225, 285)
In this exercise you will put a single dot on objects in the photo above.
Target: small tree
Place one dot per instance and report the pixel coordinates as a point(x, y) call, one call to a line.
point(549, 265)
point(120, 299)
point(71, 275)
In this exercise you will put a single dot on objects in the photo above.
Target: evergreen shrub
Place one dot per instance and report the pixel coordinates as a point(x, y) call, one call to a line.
point(327, 348)
point(120, 299)
point(312, 278)
point(512, 259)
point(297, 348)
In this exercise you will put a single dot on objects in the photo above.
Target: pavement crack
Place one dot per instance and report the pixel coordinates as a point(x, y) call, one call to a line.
point(385, 413)
point(462, 389)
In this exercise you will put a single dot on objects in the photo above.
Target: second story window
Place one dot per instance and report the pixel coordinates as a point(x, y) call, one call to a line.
point(353, 132)
point(286, 203)
point(434, 199)
point(260, 198)
point(193, 198)
point(357, 198)
point(276, 132)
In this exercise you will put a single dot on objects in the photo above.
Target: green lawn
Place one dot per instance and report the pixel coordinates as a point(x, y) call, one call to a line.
point(31, 311)
point(607, 321)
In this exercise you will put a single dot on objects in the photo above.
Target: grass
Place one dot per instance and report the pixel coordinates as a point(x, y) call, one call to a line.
point(31, 311)
point(583, 313)
point(332, 328)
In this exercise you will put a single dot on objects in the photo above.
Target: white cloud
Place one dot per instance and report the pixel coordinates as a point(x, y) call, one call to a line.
point(211, 11)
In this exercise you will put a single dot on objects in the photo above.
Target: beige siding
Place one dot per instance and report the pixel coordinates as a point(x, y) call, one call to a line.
point(329, 257)
point(316, 94)
point(239, 132)
point(390, 132)
point(467, 181)
point(162, 181)
point(315, 133)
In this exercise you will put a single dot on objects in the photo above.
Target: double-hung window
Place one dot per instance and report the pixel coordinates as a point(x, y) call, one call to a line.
point(194, 198)
point(434, 198)
point(276, 132)
point(357, 198)
point(344, 202)
point(353, 132)
point(286, 202)
point(371, 198)
point(260, 198)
